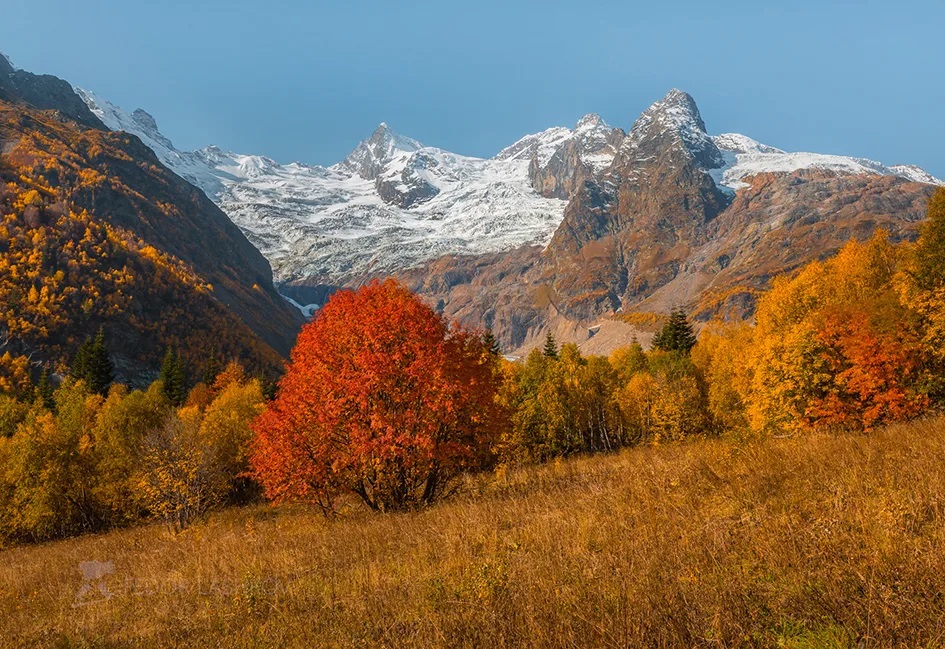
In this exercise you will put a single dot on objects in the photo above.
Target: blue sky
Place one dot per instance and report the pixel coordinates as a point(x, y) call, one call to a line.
point(306, 81)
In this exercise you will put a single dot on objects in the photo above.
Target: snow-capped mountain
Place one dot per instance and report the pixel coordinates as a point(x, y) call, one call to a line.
point(394, 203)
point(592, 135)
point(391, 204)
point(677, 218)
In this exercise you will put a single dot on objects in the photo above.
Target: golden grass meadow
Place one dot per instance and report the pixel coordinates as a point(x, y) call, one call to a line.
point(822, 540)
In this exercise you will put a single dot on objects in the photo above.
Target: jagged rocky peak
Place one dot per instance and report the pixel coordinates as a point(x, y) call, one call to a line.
point(591, 121)
point(6, 65)
point(561, 158)
point(144, 119)
point(597, 141)
point(372, 155)
point(399, 166)
point(672, 121)
point(149, 125)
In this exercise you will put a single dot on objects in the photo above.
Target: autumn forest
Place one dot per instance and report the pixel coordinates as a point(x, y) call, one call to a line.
point(386, 403)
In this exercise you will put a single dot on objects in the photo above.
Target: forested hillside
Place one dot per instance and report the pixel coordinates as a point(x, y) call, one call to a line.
point(97, 233)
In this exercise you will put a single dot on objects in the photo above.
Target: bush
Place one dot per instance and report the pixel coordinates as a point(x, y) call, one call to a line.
point(196, 459)
point(92, 463)
point(561, 405)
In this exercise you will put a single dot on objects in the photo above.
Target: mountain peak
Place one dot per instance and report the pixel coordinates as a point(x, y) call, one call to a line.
point(677, 96)
point(674, 120)
point(139, 123)
point(677, 110)
point(590, 121)
point(6, 65)
point(145, 119)
point(371, 155)
point(386, 135)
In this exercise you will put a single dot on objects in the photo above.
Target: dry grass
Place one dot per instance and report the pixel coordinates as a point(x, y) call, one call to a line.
point(813, 542)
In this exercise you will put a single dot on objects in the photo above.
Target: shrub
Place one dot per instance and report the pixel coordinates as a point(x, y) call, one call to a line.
point(196, 458)
point(180, 478)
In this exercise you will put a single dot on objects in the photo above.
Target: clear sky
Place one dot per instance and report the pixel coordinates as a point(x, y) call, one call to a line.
point(306, 81)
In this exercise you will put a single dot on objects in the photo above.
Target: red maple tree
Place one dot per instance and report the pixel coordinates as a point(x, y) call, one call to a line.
point(383, 399)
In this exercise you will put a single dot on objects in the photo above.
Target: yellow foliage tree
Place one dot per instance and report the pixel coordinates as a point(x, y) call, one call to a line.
point(724, 356)
point(197, 458)
point(120, 428)
point(811, 371)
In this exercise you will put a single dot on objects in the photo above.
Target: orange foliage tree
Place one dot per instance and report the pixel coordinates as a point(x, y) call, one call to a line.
point(382, 399)
point(873, 374)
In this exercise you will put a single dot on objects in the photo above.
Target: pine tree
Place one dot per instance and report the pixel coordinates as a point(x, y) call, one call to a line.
point(676, 335)
point(173, 379)
point(44, 390)
point(550, 349)
point(92, 364)
point(81, 361)
point(488, 339)
point(99, 371)
point(211, 369)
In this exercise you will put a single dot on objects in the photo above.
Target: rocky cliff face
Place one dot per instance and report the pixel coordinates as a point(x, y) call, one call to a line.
point(402, 171)
point(627, 233)
point(582, 155)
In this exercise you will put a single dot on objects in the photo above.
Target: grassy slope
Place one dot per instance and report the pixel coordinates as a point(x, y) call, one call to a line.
point(817, 541)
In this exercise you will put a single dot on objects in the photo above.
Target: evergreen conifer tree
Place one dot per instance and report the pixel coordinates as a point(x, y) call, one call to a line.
point(99, 372)
point(173, 379)
point(211, 369)
point(550, 349)
point(81, 361)
point(676, 335)
point(44, 390)
point(488, 339)
point(92, 364)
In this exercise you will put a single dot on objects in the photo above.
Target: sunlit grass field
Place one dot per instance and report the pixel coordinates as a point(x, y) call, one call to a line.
point(814, 541)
